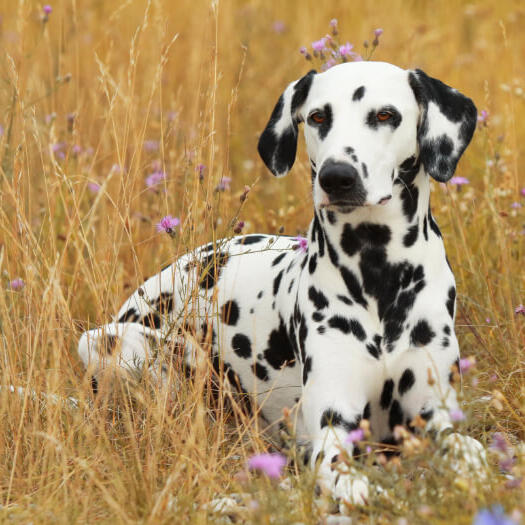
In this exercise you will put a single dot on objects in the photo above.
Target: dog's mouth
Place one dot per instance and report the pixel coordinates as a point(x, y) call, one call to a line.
point(343, 205)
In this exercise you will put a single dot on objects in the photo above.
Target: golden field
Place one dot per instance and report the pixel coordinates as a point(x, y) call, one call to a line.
point(95, 96)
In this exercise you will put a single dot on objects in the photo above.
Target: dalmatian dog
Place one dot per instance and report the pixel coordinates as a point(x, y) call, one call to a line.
point(360, 323)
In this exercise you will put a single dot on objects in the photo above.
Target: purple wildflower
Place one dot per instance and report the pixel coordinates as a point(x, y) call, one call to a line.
point(494, 516)
point(520, 309)
point(515, 205)
point(93, 187)
point(456, 415)
point(459, 181)
point(487, 320)
point(151, 145)
point(302, 243)
point(49, 118)
point(466, 364)
point(201, 168)
point(167, 224)
point(58, 149)
point(224, 184)
point(319, 45)
point(76, 149)
point(333, 23)
point(271, 464)
point(17, 284)
point(499, 442)
point(1, 130)
point(155, 179)
point(522, 192)
point(483, 116)
point(507, 463)
point(303, 50)
point(378, 32)
point(47, 9)
point(238, 228)
point(355, 436)
point(357, 58)
point(346, 50)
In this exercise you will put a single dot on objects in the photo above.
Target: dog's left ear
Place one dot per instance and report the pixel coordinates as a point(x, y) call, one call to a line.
point(278, 142)
point(446, 124)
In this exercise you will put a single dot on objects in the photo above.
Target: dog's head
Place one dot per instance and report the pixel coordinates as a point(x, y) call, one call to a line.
point(363, 121)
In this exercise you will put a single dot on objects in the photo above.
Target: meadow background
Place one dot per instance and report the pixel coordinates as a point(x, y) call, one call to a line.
point(95, 98)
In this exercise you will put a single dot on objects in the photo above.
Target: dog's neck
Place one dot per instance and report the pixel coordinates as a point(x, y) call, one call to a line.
point(398, 225)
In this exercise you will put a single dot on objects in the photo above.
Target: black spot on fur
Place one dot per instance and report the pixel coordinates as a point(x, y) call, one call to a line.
point(331, 217)
point(406, 382)
point(251, 239)
point(386, 394)
point(421, 334)
point(230, 313)
point(317, 317)
point(445, 342)
point(339, 323)
point(425, 228)
point(108, 343)
point(411, 235)
point(260, 294)
point(242, 346)
point(367, 412)
point(409, 198)
point(290, 286)
point(325, 127)
point(211, 266)
point(277, 282)
point(312, 265)
point(280, 351)
point(451, 301)
point(374, 347)
point(353, 286)
point(260, 371)
point(357, 329)
point(358, 94)
point(278, 259)
point(318, 298)
point(446, 329)
point(129, 315)
point(345, 300)
point(364, 170)
point(395, 417)
point(393, 122)
point(151, 320)
point(433, 224)
point(321, 329)
point(334, 418)
point(307, 367)
point(353, 239)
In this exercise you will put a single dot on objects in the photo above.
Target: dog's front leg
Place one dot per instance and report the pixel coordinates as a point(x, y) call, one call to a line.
point(333, 402)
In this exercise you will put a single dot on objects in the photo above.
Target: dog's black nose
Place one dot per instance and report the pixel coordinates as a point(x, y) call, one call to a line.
point(338, 177)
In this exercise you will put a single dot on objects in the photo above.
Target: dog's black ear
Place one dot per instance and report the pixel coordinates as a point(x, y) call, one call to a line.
point(446, 124)
point(278, 142)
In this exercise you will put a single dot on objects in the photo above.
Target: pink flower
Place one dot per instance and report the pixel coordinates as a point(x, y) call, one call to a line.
point(459, 181)
point(93, 187)
point(303, 50)
point(355, 436)
point(17, 284)
point(357, 58)
point(271, 464)
point(507, 463)
point(151, 145)
point(378, 32)
point(346, 50)
point(520, 309)
point(466, 364)
point(333, 23)
point(456, 415)
point(522, 192)
point(483, 116)
point(155, 179)
point(47, 9)
point(319, 45)
point(515, 205)
point(167, 224)
point(76, 149)
point(224, 184)
point(302, 243)
point(499, 442)
point(201, 168)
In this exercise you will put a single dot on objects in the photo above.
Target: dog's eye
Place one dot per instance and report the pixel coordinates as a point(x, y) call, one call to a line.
point(383, 116)
point(317, 117)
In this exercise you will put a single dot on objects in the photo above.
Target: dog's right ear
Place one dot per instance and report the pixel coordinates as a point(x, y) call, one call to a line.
point(278, 142)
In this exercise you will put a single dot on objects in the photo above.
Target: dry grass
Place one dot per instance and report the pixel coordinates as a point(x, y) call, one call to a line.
point(201, 83)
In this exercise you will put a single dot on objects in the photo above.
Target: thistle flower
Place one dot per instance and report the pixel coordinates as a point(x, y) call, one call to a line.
point(302, 243)
point(93, 187)
point(483, 116)
point(520, 309)
point(270, 464)
point(456, 415)
point(167, 224)
point(354, 436)
point(494, 516)
point(155, 179)
point(346, 50)
point(151, 145)
point(459, 181)
point(47, 9)
point(278, 27)
point(17, 284)
point(466, 363)
point(224, 184)
point(319, 45)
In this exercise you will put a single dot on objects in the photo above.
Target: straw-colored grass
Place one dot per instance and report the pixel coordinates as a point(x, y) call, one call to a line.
point(105, 92)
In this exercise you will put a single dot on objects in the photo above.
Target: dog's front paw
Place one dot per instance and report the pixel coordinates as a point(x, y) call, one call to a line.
point(352, 487)
point(465, 454)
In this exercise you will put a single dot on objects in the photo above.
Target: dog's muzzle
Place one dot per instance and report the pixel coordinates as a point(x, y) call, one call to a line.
point(342, 184)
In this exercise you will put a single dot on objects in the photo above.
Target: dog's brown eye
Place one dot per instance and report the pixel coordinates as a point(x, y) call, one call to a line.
point(383, 115)
point(317, 117)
